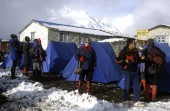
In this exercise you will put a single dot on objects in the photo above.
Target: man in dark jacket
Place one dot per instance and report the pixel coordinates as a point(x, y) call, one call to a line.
point(87, 58)
point(152, 68)
point(15, 51)
point(129, 59)
point(26, 51)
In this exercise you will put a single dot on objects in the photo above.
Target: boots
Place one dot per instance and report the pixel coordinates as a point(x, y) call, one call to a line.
point(13, 73)
point(34, 74)
point(147, 92)
point(88, 87)
point(154, 92)
point(80, 87)
point(25, 71)
point(13, 76)
point(39, 74)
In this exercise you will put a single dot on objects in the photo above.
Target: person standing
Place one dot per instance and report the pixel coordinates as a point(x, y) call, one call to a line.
point(26, 51)
point(36, 55)
point(15, 51)
point(153, 58)
point(87, 59)
point(129, 59)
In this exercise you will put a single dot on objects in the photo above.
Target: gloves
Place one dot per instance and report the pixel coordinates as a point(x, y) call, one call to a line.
point(82, 59)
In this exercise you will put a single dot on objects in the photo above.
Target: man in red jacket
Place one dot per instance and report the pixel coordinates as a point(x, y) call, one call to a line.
point(129, 59)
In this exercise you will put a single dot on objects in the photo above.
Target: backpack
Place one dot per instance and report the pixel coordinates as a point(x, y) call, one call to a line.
point(156, 55)
point(34, 53)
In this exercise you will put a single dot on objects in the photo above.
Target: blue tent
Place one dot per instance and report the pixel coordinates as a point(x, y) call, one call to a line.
point(107, 70)
point(58, 56)
point(164, 81)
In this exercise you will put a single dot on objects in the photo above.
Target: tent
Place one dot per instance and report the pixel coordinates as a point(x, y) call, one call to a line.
point(164, 81)
point(107, 70)
point(58, 55)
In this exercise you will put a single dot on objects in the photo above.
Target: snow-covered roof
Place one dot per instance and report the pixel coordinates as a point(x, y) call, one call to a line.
point(112, 40)
point(77, 29)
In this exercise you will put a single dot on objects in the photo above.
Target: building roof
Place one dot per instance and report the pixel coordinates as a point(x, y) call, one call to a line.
point(158, 26)
point(70, 28)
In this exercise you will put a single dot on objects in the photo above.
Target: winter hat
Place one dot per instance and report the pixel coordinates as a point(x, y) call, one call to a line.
point(27, 39)
point(13, 36)
point(150, 42)
point(130, 40)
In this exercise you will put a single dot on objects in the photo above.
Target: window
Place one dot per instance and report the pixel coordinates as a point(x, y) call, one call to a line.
point(32, 36)
point(161, 39)
point(63, 37)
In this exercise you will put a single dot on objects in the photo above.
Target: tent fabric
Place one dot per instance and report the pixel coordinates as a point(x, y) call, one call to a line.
point(164, 81)
point(107, 70)
point(58, 56)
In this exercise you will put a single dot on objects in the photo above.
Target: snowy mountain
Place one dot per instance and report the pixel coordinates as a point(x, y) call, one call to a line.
point(101, 24)
point(82, 18)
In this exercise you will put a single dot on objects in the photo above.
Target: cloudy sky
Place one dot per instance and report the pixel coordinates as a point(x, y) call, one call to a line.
point(127, 15)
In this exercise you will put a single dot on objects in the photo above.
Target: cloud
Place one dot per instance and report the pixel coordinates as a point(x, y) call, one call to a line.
point(148, 14)
point(128, 16)
point(123, 22)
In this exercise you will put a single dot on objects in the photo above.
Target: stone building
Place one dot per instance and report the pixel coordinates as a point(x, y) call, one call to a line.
point(160, 33)
point(47, 31)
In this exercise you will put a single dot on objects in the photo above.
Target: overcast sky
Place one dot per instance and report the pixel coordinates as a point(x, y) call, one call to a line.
point(127, 15)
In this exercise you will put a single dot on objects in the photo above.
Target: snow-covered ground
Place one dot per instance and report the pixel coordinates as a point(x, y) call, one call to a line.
point(27, 95)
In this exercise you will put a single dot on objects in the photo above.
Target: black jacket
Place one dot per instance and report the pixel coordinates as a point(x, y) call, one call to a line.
point(132, 56)
point(26, 51)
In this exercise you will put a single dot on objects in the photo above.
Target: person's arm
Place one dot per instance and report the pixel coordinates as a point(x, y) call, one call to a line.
point(143, 56)
point(138, 58)
point(77, 54)
point(121, 59)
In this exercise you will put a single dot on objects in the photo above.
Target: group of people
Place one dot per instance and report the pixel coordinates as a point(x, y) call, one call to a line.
point(150, 60)
point(33, 55)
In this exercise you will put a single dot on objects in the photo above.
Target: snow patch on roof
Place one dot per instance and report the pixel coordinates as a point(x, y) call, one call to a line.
point(78, 30)
point(112, 40)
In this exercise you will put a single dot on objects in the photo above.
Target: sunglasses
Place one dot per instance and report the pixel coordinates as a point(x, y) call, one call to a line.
point(88, 42)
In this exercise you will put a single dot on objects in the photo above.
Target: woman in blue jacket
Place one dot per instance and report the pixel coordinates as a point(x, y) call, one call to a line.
point(87, 59)
point(15, 51)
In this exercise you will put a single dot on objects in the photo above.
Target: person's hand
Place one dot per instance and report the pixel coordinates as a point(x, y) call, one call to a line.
point(127, 61)
point(142, 57)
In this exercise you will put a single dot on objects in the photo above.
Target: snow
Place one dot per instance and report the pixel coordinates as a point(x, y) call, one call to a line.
point(78, 29)
point(113, 40)
point(27, 95)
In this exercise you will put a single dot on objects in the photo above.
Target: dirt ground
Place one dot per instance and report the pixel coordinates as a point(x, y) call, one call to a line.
point(109, 92)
